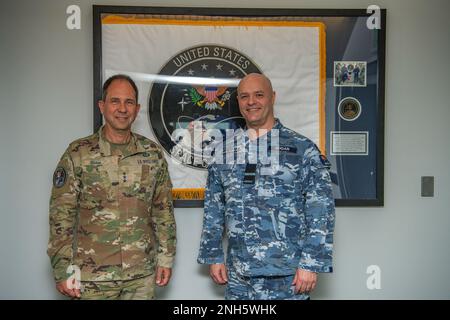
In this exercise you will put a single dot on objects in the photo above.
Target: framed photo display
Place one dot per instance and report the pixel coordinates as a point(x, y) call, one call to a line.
point(326, 66)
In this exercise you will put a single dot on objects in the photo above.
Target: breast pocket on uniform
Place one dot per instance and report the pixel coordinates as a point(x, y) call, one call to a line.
point(274, 180)
point(148, 180)
point(231, 180)
point(141, 181)
point(95, 184)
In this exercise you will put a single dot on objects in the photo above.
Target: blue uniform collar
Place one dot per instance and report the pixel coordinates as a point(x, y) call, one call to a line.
point(277, 125)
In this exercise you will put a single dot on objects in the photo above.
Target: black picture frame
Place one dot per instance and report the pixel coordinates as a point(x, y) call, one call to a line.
point(351, 195)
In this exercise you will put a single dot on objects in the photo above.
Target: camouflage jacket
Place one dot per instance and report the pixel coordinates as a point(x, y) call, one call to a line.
point(111, 215)
point(281, 221)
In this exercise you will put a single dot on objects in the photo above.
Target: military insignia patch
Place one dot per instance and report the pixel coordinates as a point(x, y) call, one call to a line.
point(325, 161)
point(59, 177)
point(199, 94)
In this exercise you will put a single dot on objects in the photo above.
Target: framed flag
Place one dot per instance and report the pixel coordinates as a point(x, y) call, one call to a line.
point(326, 66)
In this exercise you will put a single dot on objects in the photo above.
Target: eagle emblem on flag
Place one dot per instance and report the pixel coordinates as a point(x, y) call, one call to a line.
point(205, 99)
point(209, 97)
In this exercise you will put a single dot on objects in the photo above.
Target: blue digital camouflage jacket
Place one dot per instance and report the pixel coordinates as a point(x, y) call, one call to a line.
point(281, 220)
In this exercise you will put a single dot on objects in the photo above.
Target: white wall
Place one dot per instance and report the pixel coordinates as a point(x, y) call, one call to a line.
point(46, 102)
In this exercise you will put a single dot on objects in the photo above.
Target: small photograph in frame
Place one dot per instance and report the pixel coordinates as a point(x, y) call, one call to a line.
point(350, 73)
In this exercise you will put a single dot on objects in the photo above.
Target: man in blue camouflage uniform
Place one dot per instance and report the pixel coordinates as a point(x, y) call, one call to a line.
point(278, 216)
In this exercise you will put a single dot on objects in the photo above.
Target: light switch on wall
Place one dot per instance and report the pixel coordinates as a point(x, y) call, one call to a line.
point(427, 186)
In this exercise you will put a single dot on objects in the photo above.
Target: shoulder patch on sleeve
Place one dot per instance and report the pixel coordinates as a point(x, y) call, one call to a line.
point(325, 161)
point(59, 177)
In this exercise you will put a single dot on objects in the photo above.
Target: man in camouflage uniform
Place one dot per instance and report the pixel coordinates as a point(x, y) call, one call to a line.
point(111, 213)
point(278, 216)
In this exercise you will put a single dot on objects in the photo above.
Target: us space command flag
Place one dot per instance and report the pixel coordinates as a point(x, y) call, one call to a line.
point(187, 69)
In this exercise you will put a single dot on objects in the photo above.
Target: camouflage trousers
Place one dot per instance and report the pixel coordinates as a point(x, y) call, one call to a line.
point(135, 289)
point(261, 287)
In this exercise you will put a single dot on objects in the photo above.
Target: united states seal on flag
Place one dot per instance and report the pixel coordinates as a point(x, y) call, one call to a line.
point(150, 47)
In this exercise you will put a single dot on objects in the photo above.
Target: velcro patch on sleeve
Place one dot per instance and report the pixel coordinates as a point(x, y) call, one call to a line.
point(59, 177)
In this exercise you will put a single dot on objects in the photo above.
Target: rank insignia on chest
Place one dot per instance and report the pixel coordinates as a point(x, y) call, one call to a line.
point(250, 173)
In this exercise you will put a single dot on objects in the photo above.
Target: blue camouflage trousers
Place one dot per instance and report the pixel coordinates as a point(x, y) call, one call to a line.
point(241, 287)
